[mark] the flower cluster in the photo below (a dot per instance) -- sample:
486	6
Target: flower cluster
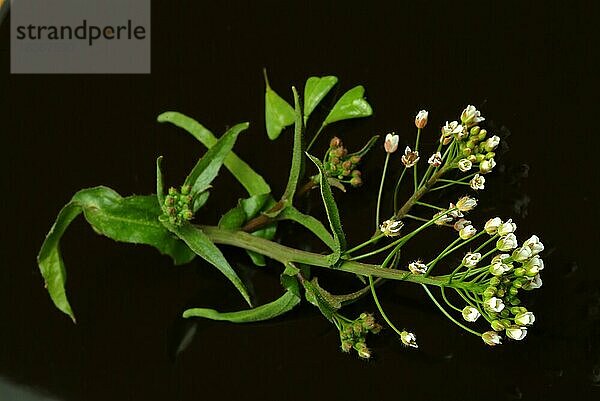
353	333
341	165
464	227
512	269
177	205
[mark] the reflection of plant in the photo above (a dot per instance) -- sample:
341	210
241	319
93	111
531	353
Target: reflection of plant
488	280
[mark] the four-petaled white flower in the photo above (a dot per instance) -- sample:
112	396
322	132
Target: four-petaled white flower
521	254
491	226
442	217
494	304
471	116
534	265
500	257
391	227
466	203
534	283
507	243
487	165
455	214
417	267
470	314
467	232
435	160
410	158
421	119
499	268
391	142
461	223
534	244
408	339
451	128
477	182
516	332
491	143
471	259
525	319
507	228
465	165
491	338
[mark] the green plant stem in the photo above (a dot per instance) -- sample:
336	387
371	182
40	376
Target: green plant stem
397	189
415	174
462	326
385	165
422	191
286	255
387	320
430	206
362	245
314	138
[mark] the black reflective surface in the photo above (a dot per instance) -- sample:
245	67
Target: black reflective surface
527	67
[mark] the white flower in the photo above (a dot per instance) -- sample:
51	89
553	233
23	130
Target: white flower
391	228
535	264
391	142
491	226
470	314
445	140
466	204
507	243
435	160
464	165
500	257
491	143
499	268
534	244
417	267
525	319
494	304
516	332
491	338
522	254
456	214
442	217
467	232
460	224
534	283
477	182
408	339
421	119
487	165
452	128
507	228
410	158
471	116
471	259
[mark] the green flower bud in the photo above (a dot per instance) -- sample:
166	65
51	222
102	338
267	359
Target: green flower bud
479	158
346	346
497	325
515	301
172	191
185	189
475	131
489	292
505	313
467	151
356	181
513	291
481	135
494	281
490	155
519	272
500	292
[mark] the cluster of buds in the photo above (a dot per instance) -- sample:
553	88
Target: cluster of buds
340	165
177	206
353	334
509	273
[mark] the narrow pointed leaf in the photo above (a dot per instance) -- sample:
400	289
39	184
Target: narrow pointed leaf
312	224
297	153
159	183
315	89
332	212
278	113
352	104
204	247
253	182
133	220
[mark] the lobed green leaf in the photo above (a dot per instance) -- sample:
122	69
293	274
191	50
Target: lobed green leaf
278	113
315	89
352	104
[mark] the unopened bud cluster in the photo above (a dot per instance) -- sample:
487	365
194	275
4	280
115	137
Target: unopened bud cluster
353	334
177	205
341	165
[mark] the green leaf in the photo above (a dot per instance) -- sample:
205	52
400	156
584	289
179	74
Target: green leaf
315	295
278	113
253	182
351	105
264	312
133	220
312	224
315	89
207	168
366	148
204	247
332	212
233	219
297	156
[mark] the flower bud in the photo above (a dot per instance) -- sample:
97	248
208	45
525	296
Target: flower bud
474	131
507	228
467	232
525	319
335	142
356	181
471	259
408	339
489	292
417	267
494	304
491	338
486	166
461	223
521	254
442	217
466	204
421	119
435	160
471	116
491	226
491	143
534	283
507	243
470	314
497	325
362	350
516	332
391	227
477	182
464	165
391	143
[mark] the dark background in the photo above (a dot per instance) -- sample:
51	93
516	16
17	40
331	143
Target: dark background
527	67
